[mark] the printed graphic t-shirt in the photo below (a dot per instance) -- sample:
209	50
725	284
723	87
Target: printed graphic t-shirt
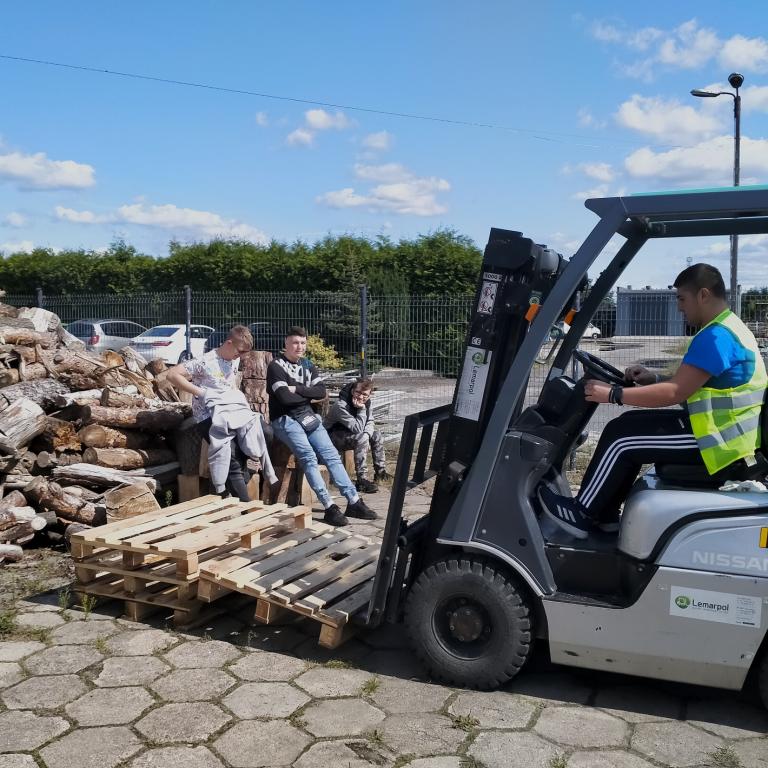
210	372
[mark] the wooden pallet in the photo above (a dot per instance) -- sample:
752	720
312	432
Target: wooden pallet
320	572
152	561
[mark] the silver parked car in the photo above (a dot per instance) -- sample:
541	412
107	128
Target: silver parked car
100	335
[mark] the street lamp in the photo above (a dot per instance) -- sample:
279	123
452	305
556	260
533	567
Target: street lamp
735	80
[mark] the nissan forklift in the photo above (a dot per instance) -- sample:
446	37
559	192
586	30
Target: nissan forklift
680	593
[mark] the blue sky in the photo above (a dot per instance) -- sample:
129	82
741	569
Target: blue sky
588	99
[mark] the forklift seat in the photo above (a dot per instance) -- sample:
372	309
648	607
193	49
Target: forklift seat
698	477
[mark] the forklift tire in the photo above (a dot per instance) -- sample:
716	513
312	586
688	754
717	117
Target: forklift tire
762	679
469	623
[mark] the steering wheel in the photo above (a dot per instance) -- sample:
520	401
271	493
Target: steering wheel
599	368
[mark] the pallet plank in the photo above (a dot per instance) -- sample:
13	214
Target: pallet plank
310	604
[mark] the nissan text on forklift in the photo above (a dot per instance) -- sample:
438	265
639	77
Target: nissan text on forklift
680	593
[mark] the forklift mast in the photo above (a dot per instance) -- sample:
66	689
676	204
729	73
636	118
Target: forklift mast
515	278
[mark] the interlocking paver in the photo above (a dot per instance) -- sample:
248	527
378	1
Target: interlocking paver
39	620
495	709
62	660
676	744
82	632
324	682
11	650
17	761
194	721
608	759
130	670
109	706
202	653
267	666
395	695
177	757
193	685
343	754
92	748
493	749
729	718
341	717
44	692
10	673
638	703
421	734
25	731
252	700
253	744
581	727
139	642
453	761
752	753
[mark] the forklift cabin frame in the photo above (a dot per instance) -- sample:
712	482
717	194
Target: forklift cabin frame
471	519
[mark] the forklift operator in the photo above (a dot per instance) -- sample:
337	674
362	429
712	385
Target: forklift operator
721	385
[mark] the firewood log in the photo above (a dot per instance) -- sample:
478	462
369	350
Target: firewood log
127	458
12	500
94	476
51	496
157	420
58	435
6	310
11	553
115	399
16	515
254	364
164	389
100	436
156	366
42	319
25	336
22	421
31	371
129	501
43	392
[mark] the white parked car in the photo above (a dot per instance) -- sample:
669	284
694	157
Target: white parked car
169	342
590	332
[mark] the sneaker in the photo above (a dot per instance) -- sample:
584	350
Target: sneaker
360	509
567	513
334	516
366	486
609	527
381	476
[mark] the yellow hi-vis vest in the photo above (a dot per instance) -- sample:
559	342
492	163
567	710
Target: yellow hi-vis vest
726	422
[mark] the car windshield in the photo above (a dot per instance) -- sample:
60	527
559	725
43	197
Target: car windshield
161	330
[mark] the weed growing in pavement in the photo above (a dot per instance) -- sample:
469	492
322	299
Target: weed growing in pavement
375	736
7	622
404	760
100	644
465	722
558	761
370	686
470	762
337	664
65	593
725	757
87	603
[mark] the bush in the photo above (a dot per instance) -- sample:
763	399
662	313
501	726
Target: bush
323	355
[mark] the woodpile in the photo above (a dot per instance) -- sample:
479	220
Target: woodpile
84	438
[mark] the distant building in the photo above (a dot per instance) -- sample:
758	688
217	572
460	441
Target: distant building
648	312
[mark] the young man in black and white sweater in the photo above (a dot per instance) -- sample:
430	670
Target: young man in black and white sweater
293	383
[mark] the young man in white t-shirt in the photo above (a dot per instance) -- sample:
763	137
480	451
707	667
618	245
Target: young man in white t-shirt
217	370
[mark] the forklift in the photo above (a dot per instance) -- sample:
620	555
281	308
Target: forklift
679	594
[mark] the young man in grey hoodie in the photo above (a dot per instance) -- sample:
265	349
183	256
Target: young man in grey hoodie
350	426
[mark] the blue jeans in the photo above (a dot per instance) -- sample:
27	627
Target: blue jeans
308	449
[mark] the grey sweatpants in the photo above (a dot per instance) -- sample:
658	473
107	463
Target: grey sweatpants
344	440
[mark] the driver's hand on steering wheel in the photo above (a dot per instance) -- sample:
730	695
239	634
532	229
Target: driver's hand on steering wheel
596	391
639	375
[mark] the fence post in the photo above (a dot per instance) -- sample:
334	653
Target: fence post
188	318
363	330
39	297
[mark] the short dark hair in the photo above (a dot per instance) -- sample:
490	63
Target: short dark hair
699	276
296	330
363	383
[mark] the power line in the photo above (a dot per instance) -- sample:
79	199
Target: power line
541	135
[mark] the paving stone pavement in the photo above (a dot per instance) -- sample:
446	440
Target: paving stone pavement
101	692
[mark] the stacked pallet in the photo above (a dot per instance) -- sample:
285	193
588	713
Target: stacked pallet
152	561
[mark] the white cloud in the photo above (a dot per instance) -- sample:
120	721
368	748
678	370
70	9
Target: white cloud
754	98
739	52
709	162
320	120
15	219
262	119
400	192
17	247
300	137
182	221
598	171
687	46
667	119
78	217
39	172
381	140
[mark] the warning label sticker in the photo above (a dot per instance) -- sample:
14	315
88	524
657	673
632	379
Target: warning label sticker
722	607
487	297
469	395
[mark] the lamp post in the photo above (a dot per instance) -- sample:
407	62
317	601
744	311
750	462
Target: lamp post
735	80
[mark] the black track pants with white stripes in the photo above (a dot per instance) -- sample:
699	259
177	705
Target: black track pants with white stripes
635	438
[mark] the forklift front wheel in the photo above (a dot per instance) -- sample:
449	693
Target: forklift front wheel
762	680
469	623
